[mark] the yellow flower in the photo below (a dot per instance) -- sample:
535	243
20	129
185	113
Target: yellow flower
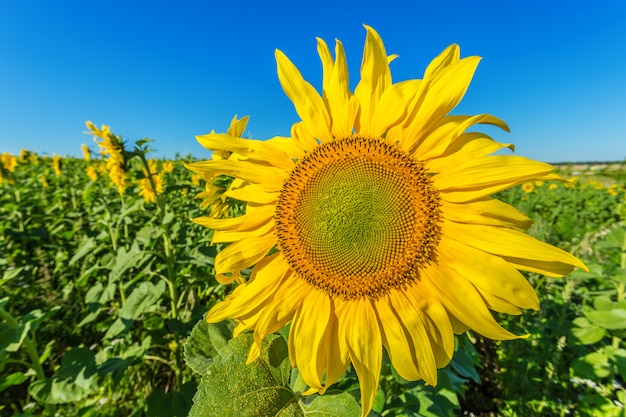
8	161
24	153
56	164
373	224
86	152
538	183
102	168
33	158
146	188
167	167
112	146
195	179
613	190
44	181
528	187
91	173
553	187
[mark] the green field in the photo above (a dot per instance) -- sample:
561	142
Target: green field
100	291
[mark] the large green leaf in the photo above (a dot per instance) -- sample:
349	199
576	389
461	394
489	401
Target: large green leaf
205	342
594	365
586	332
125	260
77	378
232	388
172	404
614	319
12	337
143	297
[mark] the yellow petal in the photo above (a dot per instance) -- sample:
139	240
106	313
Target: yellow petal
256	150
392	107
375	78
485	176
440	96
335	364
237	126
343	105
398	343
308	328
463	301
489	274
267	178
436	322
447	57
269	275
551	269
287	145
254	217
305	98
437	143
358	327
511	243
243	253
302	137
469	146
251	193
413	324
234	235
488	212
282	308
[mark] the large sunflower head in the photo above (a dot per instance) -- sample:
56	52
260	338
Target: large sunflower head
373	224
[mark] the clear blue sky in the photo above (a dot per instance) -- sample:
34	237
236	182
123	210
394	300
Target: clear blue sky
555	71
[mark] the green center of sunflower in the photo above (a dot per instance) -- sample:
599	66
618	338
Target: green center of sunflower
358	217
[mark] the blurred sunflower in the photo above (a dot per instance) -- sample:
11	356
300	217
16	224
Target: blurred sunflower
112	146
151	184
92	173
373	225
528	187
56	164
86	152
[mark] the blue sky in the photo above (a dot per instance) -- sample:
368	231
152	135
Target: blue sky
555	71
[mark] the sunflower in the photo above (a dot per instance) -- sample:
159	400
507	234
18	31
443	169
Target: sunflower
151	184
56	164
112	146
86	152
373	224
528	187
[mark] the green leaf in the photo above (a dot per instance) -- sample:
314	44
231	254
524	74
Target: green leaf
595	271
588	334
15	378
615	239
332	405
603	303
613	319
205	342
86	247
143	297
593	365
126	260
9	275
77	378
232	388
12	337
173	404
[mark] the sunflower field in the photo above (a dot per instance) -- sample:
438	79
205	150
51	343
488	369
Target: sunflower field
103	289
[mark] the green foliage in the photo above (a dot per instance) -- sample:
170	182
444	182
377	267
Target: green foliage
102	297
